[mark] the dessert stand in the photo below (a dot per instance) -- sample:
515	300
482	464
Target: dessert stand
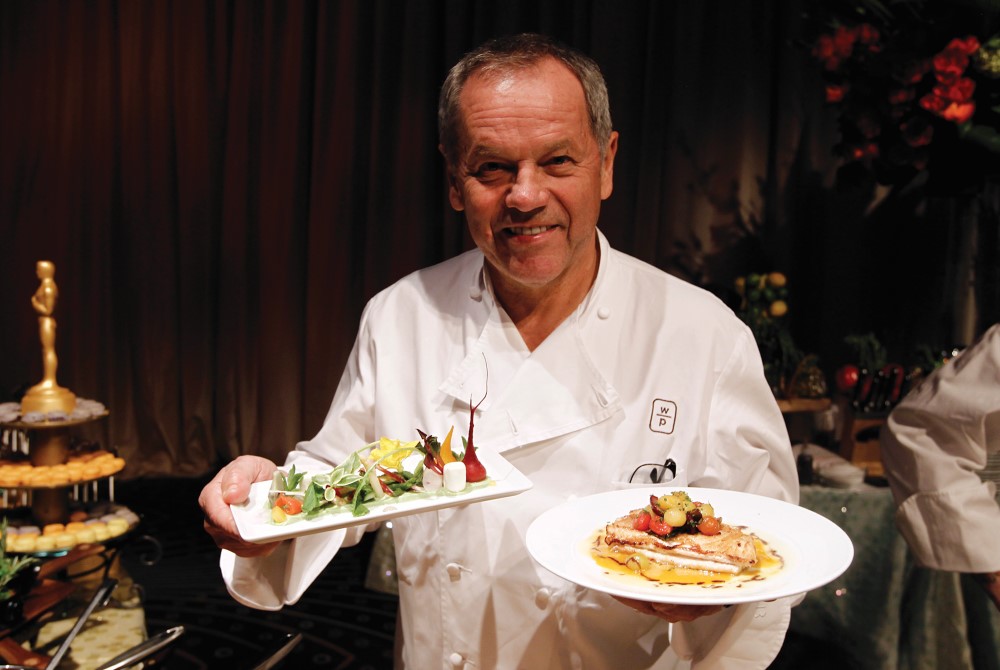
46	481
48	443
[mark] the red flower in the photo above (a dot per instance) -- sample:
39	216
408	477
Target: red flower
933	103
960	91
959	112
868	35
843	41
825	51
949	65
951	62
835	92
967	46
881	79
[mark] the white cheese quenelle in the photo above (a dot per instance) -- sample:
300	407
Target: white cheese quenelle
454	476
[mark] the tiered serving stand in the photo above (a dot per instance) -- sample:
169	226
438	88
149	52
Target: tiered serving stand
48	443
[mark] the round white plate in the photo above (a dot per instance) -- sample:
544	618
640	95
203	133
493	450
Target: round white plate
815	551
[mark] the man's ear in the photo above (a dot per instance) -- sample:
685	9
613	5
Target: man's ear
455	196
608	167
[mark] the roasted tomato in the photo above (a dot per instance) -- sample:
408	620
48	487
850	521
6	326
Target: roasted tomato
659	526
710	525
288	504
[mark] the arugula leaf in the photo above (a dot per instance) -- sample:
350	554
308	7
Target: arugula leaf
293	479
313	498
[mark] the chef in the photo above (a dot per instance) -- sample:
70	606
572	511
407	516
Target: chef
934	446
591	365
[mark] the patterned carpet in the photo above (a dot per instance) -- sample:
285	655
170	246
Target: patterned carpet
344	625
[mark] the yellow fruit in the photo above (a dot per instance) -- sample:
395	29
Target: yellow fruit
278	515
674	517
776	279
778	308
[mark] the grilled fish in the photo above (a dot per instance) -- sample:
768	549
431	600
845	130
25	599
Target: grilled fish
730	551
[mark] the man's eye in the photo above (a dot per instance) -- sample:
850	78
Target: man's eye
561	160
490	167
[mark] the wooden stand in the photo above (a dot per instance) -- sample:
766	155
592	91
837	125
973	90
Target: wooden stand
859	442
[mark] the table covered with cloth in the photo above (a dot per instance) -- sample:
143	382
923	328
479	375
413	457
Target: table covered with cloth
885	611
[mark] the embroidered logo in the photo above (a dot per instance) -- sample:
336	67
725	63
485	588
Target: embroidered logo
663	417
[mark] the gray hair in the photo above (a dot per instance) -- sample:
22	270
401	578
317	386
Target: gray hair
504	54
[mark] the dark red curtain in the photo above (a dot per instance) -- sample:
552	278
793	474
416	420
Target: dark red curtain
223	185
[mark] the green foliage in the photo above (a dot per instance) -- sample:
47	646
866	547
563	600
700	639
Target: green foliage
868	351
9	565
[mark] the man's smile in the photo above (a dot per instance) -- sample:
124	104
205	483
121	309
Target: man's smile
526	230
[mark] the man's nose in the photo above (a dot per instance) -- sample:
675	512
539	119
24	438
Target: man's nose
528	191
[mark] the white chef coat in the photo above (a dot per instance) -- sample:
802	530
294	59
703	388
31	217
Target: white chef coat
647	367
935	443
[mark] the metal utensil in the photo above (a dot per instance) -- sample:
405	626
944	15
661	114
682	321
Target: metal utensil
283	651
143	649
99	598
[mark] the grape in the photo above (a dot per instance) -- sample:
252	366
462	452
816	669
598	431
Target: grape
674	517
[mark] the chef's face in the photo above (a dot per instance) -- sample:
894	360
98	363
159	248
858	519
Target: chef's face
530	177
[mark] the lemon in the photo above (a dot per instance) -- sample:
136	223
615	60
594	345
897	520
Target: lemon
777	279
278	515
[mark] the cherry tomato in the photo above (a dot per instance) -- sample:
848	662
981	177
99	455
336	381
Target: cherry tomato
288	504
658	526
847	377
710	525
641	522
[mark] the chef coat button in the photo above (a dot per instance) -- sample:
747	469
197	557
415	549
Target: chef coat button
454	571
542	597
603	312
475	294
456	659
602	398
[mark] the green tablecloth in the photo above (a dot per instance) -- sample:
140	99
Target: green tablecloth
886	612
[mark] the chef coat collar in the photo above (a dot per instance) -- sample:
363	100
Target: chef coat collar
537	395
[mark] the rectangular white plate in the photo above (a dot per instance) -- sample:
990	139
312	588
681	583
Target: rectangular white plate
253	518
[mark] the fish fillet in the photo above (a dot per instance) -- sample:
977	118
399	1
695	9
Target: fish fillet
731	550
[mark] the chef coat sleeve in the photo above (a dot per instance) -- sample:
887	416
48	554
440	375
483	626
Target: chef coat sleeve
747	447
282	577
749	450
933	446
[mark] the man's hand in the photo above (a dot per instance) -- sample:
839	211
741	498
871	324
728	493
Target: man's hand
230	486
671	613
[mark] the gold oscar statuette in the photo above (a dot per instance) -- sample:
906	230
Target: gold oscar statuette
47	396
